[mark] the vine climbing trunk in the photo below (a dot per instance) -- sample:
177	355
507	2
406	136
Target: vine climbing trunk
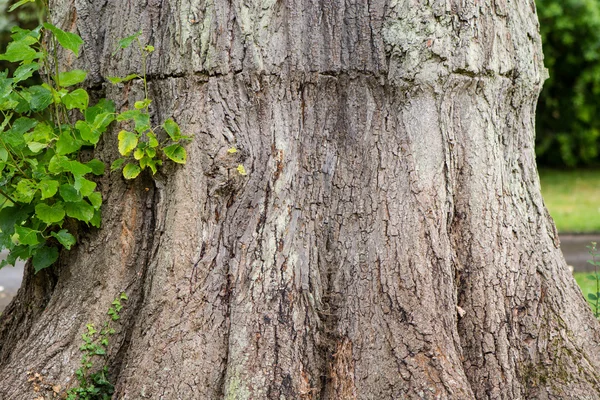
388	241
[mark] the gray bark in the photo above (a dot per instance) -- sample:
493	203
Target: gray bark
389	240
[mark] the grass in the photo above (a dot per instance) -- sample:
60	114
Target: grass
586	285
573	199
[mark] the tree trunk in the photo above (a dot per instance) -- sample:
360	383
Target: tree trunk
389	241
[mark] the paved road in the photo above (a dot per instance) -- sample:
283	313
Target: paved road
575	250
573	246
10	281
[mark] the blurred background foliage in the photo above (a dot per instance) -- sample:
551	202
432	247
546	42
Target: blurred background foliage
568	123
27	16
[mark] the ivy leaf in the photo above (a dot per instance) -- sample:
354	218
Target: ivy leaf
25	71
70	78
44	257
19	4
96	200
152	140
115	79
78	98
12	216
176	153
14	136
103	106
138	153
41	98
131	171
77	168
58	164
127	142
84	186
141	119
48	188
80	210
42	133
50	214
97	166
68	40
69	193
36	147
25	190
117	164
20	51
67	143
150	162
142	104
96	220
27	235
172	129
125	42
65	238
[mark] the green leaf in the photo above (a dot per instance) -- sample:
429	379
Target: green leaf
138	153
84	186
44	257
50	214
19	51
96	219
152	140
25	71
68	40
141	119
115	79
65	238
19	4
67	143
25	190
41	98
69	193
592	296
77	168
151	163
58	164
127	142
48	188
97	166
103	106
70	78
176	153
78	98
26	235
172	129
42	133
11	216
151	152
81	210
96	200
142	104
36	147
125	42
117	164
131	171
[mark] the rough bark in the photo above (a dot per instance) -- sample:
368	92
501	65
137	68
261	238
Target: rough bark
389	240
